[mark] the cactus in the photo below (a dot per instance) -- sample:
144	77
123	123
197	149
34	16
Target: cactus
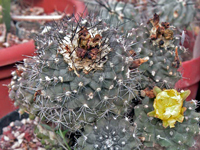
156	46
180	13
110	133
119	14
86	72
128	13
151	131
80	73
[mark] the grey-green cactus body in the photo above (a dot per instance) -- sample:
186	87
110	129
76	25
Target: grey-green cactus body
180	13
152	132
109	134
123	15
76	87
129	13
159	58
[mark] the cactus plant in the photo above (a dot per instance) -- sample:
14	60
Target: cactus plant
79	74
156	46
152	131
120	14
84	80
129	13
180	13
111	133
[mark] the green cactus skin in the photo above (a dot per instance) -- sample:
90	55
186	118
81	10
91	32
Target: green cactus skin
160	67
180	13
152	132
119	14
109	134
49	86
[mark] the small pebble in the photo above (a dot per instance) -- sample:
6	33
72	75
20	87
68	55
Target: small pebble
16	134
29	120
15	145
35	140
6	129
21	136
12	124
20	141
18	123
11	136
23	121
40	148
6	138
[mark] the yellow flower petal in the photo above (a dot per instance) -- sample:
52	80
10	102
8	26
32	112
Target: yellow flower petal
168	106
180	118
165	124
171	122
183	110
185	94
151	114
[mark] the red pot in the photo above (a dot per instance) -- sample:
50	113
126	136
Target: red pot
191	69
16	53
191	77
69	6
9	56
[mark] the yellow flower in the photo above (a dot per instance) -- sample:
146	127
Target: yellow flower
168	106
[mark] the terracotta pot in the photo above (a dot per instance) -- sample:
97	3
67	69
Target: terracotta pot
191	69
75	7
9	56
16	53
191	77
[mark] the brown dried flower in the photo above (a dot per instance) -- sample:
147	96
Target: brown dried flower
93	54
136	63
168	34
19	72
165	24
155	20
81	53
176	63
94	42
84	38
149	92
